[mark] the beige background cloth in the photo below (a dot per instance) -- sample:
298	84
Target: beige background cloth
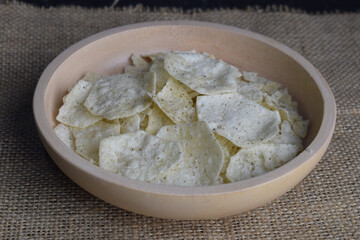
38	201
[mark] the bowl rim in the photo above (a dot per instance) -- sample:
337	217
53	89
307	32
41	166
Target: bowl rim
320	142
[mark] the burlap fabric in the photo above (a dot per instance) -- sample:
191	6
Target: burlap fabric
38	201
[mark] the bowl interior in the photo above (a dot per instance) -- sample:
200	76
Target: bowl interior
111	52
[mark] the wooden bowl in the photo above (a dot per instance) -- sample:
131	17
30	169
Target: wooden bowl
109	51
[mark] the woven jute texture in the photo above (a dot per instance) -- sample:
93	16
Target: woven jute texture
38	201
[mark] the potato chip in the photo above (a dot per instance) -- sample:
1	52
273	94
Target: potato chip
229	149
259	159
65	135
87	140
276	155
150	78
144	118
254	78
130	124
146	112
131	70
118	96
270	87
232	148
250	76
226	158
154	56
298	123
270	103
281	101
139	155
222	141
175	103
92	77
73	113
247	163
161	74
138	61
203	156
202	73
144	75
238	119
250	90
192	94
144	123
157	119
263	84
286	135
114	121
139	68
220	180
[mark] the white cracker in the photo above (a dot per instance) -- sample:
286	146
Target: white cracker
288	111
144	118
133	71
253	77
130	124
65	135
139	68
232	148
87	140
238	119
264	85
150	77
250	76
203	156
270	87
270	103
276	155
202	73
259	159
138	155
161	74
146	112
92	77
192	94
245	164
223	141
144	123
299	125
220	180
118	96
157	119
114	121
154	56
281	101
138	61
175	102
250	90
73	113
286	135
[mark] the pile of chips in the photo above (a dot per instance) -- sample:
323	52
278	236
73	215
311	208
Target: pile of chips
181	118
